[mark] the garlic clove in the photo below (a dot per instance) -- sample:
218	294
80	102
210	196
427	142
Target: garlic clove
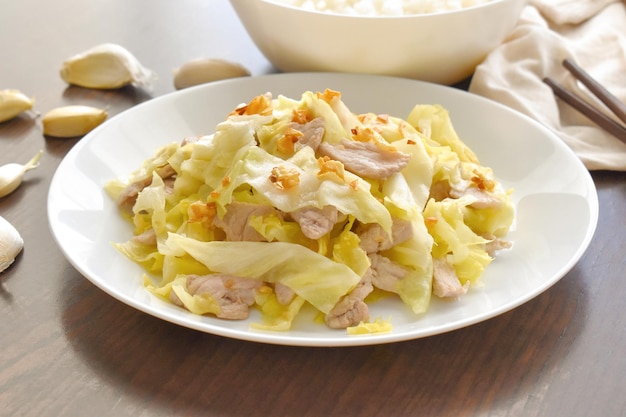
11	243
105	66
12	103
72	121
205	70
11	175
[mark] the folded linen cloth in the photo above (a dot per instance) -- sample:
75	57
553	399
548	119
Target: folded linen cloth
593	34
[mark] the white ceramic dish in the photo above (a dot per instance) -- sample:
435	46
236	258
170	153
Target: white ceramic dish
443	47
555	199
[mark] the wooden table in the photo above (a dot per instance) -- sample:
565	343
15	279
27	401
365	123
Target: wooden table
69	349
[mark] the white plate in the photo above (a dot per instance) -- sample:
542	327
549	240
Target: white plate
555	199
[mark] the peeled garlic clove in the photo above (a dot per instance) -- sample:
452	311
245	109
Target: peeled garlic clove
205	70
11	243
12	103
72	121
11	175
105	66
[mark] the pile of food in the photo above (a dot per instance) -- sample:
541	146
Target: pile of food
382	7
303	202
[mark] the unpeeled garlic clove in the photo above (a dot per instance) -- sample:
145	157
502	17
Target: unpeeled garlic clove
72	121
105	66
12	103
11	175
205	70
11	243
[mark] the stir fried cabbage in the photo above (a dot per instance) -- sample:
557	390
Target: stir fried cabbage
294	203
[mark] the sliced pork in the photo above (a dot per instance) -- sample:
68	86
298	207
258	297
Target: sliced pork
146	238
315	222
312	133
386	273
235	222
446	283
233	294
351	308
366	159
128	196
284	294
375	239
496	244
483	198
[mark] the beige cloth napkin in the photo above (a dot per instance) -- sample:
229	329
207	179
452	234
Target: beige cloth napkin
593	34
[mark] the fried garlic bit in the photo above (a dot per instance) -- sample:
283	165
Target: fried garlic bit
301	116
284	178
368	134
12	103
328	95
286	144
261	105
205	70
106	66
376	121
72	121
483	180
200	211
331	169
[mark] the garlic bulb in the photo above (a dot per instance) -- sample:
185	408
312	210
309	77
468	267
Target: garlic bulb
72	121
11	243
11	175
12	103
200	71
105	66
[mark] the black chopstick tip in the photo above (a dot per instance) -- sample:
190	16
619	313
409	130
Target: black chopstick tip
568	61
550	82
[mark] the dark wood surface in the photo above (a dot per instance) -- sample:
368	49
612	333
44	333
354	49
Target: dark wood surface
69	349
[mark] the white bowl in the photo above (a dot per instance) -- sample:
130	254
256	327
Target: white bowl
442	47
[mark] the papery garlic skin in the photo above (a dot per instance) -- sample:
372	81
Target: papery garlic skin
205	70
12	103
11	175
106	66
72	121
11	243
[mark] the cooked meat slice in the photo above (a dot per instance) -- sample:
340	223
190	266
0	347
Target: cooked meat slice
284	294
440	190
495	244
401	231
168	184
483	198
480	186
386	273
375	239
233	294
128	196
315	222
312	131
446	283
366	159
146	238
351	309
235	221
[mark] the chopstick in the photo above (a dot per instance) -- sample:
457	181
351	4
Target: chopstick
618	108
602	120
